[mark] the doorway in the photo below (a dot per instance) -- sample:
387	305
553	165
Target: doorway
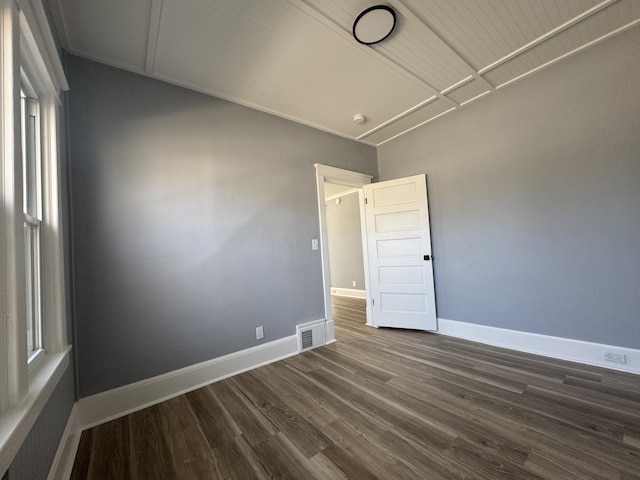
396	245
345	250
352	181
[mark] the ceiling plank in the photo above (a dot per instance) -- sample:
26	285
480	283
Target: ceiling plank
548	35
472	71
572	52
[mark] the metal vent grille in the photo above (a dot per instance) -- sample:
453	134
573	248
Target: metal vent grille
306	339
311	335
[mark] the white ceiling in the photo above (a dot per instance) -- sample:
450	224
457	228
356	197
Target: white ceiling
297	58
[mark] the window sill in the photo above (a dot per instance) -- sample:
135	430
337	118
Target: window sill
35	360
16	422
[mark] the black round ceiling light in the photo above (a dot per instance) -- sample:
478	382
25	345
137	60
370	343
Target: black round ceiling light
374	24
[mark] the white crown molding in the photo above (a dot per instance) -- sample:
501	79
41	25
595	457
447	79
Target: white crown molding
579	351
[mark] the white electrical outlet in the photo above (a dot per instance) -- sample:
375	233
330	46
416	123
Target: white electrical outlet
354	283
259	333
615	357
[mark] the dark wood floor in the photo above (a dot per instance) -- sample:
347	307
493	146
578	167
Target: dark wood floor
384	404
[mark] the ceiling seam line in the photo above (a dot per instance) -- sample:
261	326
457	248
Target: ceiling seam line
153	36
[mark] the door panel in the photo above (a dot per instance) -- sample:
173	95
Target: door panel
398	238
391	222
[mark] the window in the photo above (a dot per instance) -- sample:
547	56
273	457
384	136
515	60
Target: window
34	353
32	209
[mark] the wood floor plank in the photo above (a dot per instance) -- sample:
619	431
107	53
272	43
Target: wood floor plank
353	467
216	424
113	437
327	468
545	431
230	460
376	459
186	441
306	437
482	464
423	430
149	453
295	398
284	460
252	424
457	423
82	465
530	409
552	466
384	404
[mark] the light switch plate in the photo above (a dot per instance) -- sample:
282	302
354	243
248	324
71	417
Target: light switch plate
314	244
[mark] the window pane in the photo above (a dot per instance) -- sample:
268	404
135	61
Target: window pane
31	156
31	206
32	274
29	268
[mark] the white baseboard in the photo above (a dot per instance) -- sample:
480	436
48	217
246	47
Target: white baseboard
562	348
330	333
66	454
115	403
348	292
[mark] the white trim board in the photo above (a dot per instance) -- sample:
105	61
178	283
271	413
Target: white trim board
66	454
588	353
348	292
115	403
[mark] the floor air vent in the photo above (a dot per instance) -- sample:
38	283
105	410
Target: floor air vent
310	335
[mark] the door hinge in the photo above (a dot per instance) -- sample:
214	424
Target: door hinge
373	302
366	201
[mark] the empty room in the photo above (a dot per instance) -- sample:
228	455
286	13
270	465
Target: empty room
313	239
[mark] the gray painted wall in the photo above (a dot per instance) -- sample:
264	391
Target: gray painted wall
33	460
535	200
193	219
345	242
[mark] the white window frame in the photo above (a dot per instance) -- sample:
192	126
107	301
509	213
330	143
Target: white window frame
31	154
26	43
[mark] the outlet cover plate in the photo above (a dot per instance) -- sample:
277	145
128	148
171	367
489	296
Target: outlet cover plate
615	357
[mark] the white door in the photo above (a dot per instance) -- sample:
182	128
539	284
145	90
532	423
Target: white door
399	249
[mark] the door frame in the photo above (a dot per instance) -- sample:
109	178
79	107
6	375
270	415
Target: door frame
328	174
